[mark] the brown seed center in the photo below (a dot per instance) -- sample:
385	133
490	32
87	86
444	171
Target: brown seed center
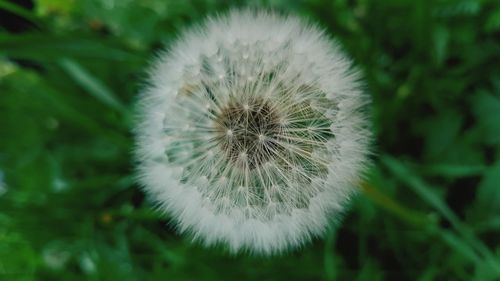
247	132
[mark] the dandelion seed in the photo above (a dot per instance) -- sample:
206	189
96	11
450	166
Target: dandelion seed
266	129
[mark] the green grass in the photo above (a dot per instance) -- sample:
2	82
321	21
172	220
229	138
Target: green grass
70	72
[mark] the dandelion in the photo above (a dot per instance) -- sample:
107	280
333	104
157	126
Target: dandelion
252	132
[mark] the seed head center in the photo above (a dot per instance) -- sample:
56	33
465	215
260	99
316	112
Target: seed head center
248	132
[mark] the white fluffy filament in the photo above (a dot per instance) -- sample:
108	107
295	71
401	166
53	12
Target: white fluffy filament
252	132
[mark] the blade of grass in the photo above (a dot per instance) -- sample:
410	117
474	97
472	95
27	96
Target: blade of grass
454	170
328	257
166	253
386	202
425	191
20	11
30	85
92	84
455	242
489	225
48	47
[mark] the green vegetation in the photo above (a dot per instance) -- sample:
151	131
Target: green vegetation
70	209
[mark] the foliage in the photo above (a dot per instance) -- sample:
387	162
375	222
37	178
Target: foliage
71	210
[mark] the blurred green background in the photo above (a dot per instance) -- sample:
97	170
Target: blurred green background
70	72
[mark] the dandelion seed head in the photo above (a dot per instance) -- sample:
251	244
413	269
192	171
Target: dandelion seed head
266	132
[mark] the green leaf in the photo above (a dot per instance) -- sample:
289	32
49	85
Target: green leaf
460	246
493	21
427	193
17	258
329	260
20	11
92	84
441	132
488	195
441	38
454	170
48	47
486	108
48	7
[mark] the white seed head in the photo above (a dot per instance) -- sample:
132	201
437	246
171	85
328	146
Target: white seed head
267	136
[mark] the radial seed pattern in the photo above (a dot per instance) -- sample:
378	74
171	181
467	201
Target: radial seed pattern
252	132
